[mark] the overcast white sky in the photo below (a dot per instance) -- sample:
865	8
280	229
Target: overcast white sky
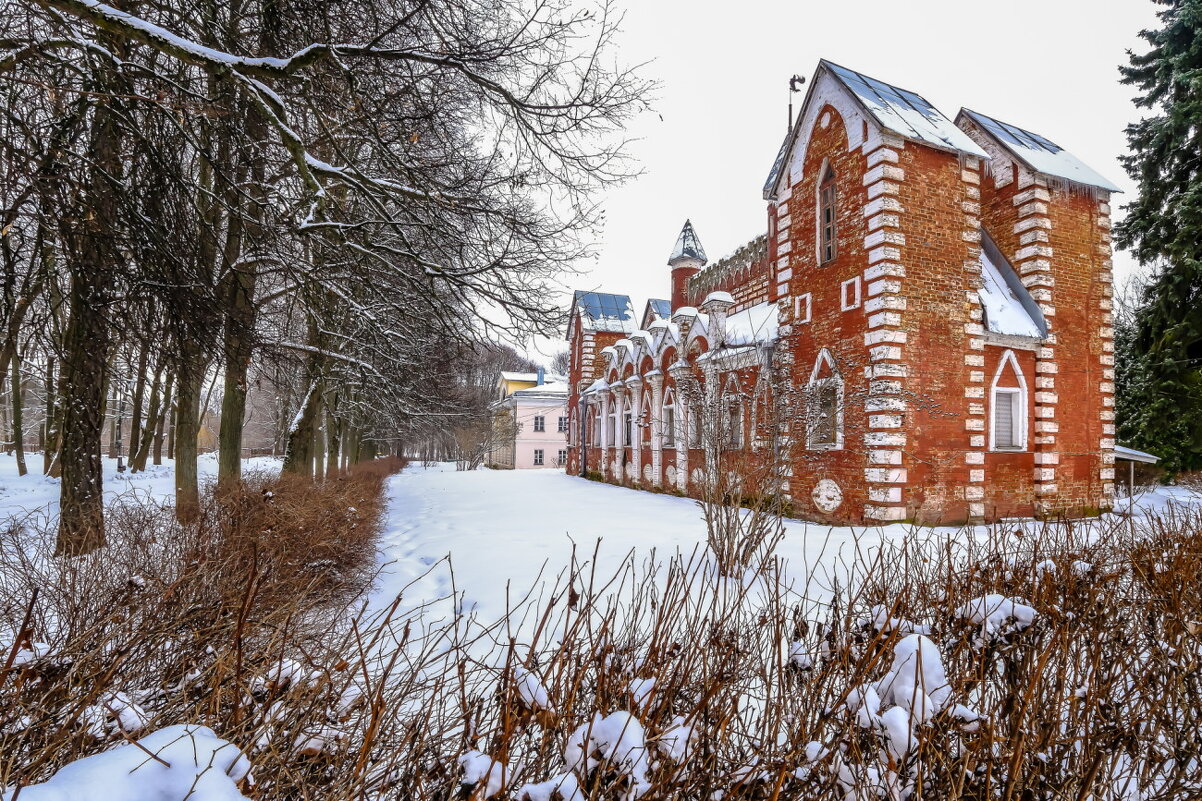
1047	65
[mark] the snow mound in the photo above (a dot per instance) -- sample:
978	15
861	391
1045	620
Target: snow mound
173	763
997	615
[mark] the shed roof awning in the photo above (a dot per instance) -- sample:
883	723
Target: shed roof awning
1132	455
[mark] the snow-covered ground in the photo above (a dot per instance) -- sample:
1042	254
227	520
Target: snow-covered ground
491	536
35	493
506	531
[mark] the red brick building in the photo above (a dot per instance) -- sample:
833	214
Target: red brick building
937	294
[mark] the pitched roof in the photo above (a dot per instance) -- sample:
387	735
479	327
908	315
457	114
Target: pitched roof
688	245
904	112
1038	152
895	109
656	309
601	311
1008	306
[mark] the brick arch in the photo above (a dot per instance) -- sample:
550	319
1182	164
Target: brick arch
843	115
668	358
646	364
611	375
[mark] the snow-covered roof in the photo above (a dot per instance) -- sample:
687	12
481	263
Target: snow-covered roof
656	309
754	325
549	388
895	109
507	375
1009	307
1132	455
1038	152
601	311
904	112
688	245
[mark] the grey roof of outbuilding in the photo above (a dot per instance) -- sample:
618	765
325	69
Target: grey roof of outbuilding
688	245
1038	152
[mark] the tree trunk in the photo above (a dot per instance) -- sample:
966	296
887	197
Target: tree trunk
135	422
94	259
191	371
161	422
333	440
50	449
319	449
172	420
140	447
81	510
18	426
239	333
298	454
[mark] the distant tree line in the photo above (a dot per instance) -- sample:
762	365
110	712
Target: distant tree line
327	203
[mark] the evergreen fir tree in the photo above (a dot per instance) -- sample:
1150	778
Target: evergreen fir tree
1160	357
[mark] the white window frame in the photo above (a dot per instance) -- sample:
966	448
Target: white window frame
563	424
854	285
814	386
538	457
540	424
1018	397
562	458
628	438
799	303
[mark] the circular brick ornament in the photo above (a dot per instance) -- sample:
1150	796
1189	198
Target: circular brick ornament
827	495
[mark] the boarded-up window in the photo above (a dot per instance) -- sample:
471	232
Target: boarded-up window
826	216
734	416
1007	418
826	413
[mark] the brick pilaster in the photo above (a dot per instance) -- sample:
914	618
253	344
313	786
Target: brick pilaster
1034	261
975	422
885	339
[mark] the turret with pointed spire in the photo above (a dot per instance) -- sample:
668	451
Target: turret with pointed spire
687	259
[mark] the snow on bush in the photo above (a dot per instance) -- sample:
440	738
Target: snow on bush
174	763
946	665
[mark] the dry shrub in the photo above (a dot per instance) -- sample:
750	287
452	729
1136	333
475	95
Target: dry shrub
669	679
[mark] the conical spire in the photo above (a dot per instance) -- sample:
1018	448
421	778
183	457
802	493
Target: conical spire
688	246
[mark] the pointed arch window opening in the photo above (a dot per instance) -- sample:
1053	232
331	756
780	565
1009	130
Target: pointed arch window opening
828	239
824	406
1008	406
643	423
733	418
668	420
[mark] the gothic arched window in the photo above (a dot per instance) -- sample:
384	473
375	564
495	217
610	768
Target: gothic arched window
668	420
1008	401
824	409
827	213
